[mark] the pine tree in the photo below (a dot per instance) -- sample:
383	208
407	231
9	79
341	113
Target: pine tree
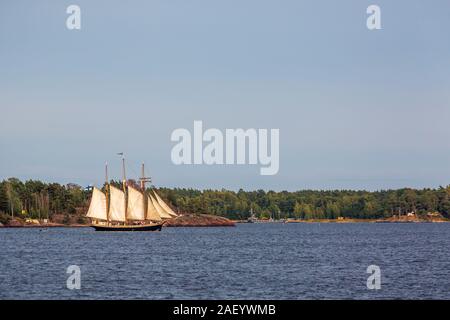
298	210
3	198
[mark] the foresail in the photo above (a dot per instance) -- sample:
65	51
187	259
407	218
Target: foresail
136	210
117	205
152	213
162	213
97	208
164	206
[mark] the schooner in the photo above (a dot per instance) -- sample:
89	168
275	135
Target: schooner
129	209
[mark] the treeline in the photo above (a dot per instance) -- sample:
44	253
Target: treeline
36	199
310	204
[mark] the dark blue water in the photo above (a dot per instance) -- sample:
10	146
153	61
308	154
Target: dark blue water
251	261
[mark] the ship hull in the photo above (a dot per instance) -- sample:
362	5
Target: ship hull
147	227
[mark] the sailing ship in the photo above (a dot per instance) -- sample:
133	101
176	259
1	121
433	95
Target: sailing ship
129	208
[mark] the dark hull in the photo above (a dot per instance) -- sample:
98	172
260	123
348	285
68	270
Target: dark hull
148	227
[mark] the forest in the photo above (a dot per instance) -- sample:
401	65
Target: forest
40	200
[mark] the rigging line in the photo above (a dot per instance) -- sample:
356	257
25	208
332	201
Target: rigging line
130	168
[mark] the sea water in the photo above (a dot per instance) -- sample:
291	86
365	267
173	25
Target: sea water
250	261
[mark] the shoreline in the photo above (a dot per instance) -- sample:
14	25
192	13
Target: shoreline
44	226
339	221
210	221
188	220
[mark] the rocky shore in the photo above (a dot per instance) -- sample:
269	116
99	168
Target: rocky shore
20	224
402	219
199	220
188	220
206	220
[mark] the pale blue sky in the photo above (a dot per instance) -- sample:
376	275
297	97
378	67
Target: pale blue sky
356	108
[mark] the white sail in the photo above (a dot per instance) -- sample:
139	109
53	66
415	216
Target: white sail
136	210
97	208
164	206
117	204
162	213
152	213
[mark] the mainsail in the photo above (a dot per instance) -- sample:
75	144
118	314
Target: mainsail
136	210
164	206
162	213
117	204
97	208
152	213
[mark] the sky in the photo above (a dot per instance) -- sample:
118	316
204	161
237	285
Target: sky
356	109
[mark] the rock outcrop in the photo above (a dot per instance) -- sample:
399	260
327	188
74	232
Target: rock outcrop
199	220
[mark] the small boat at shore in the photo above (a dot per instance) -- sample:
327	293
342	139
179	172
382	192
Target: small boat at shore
252	218
129	209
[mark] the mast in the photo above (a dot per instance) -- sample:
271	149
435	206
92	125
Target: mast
107	193
144	179
144	198
124	185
